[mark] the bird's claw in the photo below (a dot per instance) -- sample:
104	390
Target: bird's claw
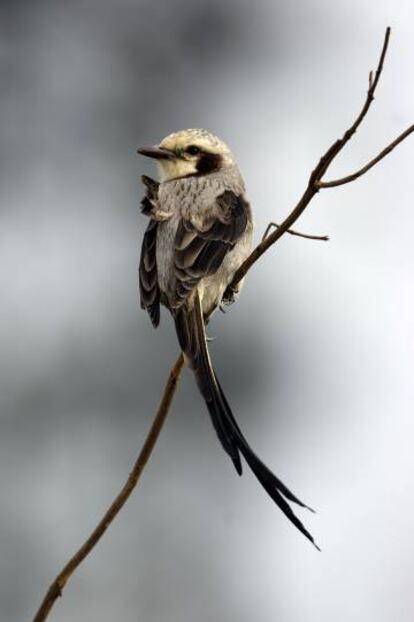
229	297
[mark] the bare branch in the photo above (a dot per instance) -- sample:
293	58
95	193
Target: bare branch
371	163
314	185
370	80
324	238
62	578
371	90
316	175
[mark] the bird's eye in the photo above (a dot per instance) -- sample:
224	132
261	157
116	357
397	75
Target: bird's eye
193	150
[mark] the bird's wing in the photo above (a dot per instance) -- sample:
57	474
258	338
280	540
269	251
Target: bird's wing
148	274
199	251
149	200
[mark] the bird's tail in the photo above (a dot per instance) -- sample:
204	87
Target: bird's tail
190	329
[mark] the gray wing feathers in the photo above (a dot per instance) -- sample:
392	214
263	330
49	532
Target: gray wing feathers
151	195
148	273
199	251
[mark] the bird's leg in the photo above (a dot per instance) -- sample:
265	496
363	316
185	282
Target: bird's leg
229	297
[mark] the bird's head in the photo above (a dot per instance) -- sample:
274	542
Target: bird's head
189	153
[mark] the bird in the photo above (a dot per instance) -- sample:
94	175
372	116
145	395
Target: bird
199	233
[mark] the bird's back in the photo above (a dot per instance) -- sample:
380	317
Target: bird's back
194	199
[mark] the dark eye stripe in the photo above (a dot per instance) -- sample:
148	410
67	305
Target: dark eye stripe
208	163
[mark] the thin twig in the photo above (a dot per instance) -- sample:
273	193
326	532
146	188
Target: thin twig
324	238
371	163
313	187
55	590
315	177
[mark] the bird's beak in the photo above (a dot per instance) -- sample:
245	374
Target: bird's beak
158	153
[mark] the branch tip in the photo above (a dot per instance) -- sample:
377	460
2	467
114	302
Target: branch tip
324	238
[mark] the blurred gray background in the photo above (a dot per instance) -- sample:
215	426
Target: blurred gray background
322	386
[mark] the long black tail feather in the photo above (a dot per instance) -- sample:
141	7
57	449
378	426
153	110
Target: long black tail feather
192	338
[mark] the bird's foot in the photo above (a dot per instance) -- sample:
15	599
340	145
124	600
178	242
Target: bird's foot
229	297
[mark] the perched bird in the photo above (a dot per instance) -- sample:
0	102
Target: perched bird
199	233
